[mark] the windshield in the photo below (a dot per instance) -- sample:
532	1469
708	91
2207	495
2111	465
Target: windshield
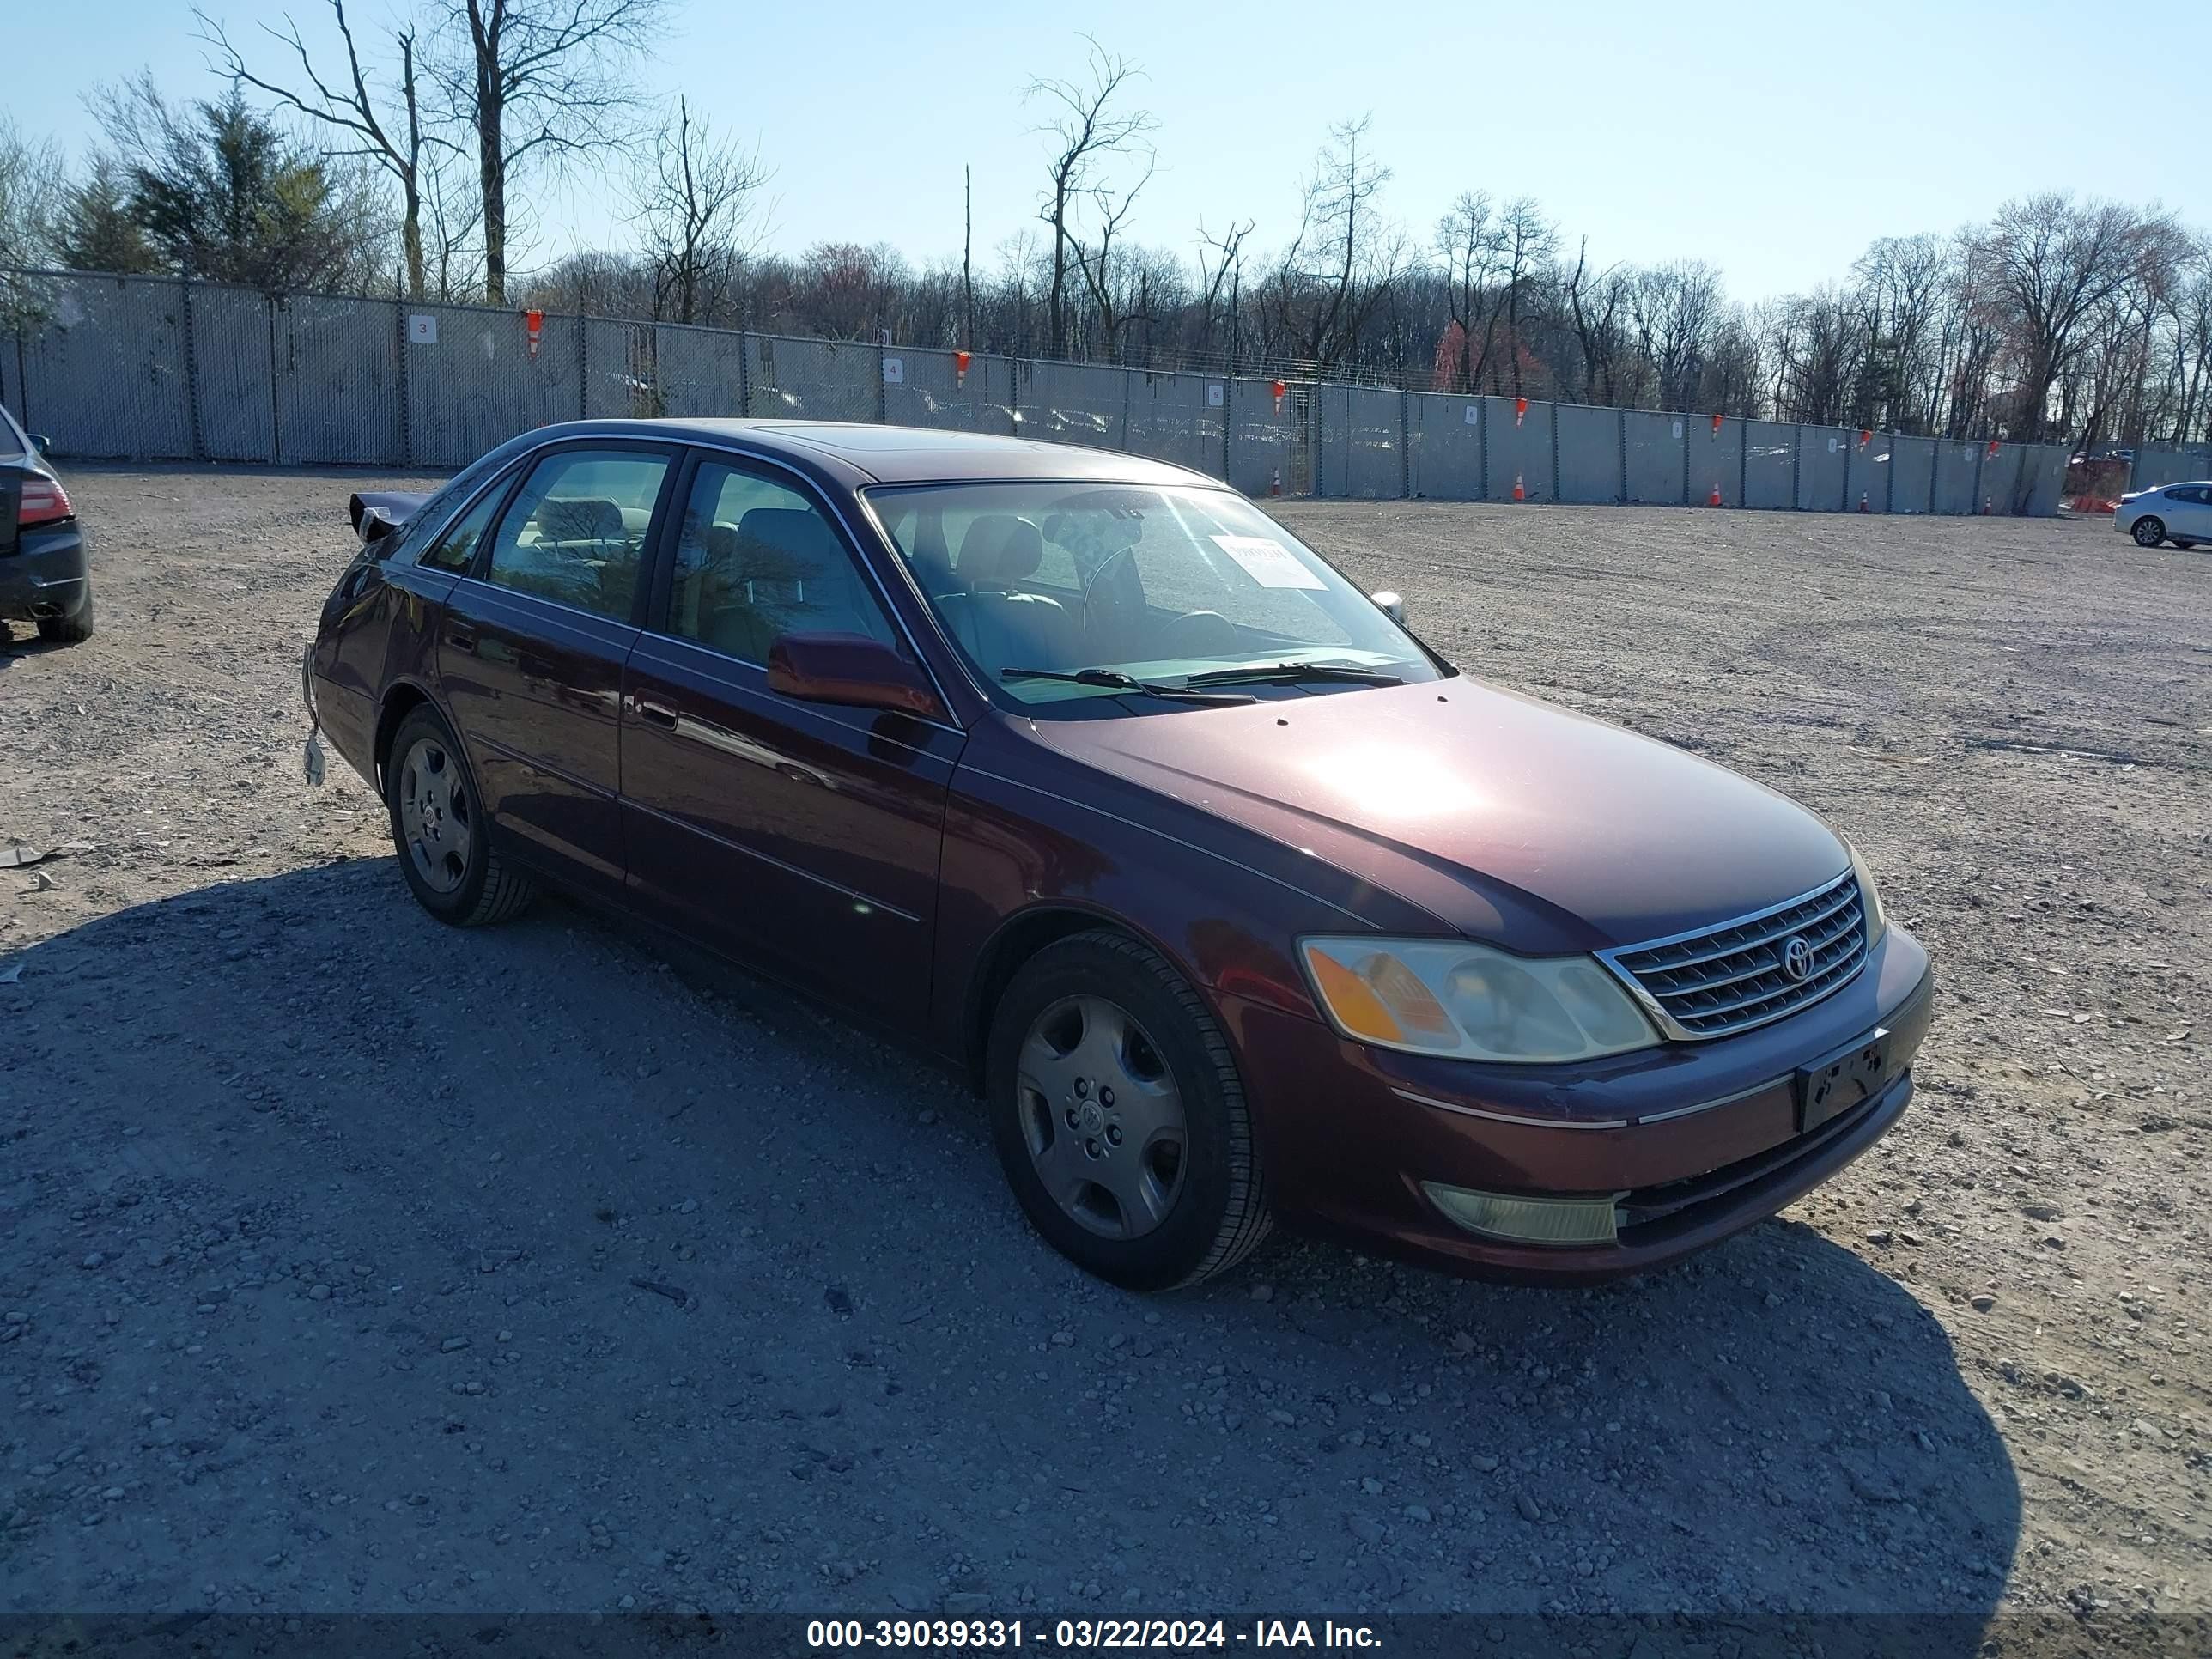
1153	585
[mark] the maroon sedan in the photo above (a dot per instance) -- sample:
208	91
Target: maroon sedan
1236	901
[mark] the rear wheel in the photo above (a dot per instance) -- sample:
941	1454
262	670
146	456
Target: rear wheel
1120	1119
445	850
2148	531
72	629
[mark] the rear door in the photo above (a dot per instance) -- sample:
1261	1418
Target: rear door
532	646
800	836
2189	511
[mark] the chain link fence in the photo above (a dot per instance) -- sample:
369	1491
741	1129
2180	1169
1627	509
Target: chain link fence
139	368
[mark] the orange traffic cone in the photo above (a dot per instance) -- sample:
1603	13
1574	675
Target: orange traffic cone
1519	494
1714	500
1862	504
1275	486
1986	508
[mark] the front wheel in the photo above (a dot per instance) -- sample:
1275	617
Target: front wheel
1119	1116
445	846
2148	531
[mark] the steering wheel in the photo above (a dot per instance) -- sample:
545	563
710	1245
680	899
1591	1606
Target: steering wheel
1091	585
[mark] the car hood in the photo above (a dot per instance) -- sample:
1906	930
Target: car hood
1505	817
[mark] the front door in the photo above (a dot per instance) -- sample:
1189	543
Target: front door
798	835
531	648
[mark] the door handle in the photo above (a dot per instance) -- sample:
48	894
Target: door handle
459	637
659	713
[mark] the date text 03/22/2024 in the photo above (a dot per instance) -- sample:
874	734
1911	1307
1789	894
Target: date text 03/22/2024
831	1634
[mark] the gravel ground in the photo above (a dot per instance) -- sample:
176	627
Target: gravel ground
350	1263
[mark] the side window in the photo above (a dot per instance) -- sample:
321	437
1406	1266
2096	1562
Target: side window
577	529
456	542
756	558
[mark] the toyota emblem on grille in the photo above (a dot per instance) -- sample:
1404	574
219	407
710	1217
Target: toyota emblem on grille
1797	958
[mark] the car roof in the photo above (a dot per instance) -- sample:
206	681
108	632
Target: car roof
855	454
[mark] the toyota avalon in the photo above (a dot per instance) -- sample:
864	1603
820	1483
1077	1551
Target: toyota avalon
1237	900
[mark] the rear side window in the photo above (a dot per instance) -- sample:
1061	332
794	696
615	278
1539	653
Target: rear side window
576	530
756	558
456	545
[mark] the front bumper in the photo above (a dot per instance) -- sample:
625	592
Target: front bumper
47	577
1700	1139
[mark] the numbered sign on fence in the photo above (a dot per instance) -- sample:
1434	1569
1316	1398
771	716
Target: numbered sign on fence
423	329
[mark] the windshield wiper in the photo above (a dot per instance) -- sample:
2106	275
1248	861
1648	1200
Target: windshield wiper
1121	682
1257	672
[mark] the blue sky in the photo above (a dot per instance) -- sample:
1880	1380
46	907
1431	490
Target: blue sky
1773	140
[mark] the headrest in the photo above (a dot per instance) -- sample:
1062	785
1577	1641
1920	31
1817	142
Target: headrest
999	549
587	520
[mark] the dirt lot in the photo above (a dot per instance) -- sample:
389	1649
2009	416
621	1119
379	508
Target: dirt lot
321	1226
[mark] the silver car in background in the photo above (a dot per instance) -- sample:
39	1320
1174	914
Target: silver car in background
2177	513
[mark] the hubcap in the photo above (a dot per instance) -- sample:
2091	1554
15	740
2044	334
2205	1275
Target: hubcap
436	819
1101	1117
2146	533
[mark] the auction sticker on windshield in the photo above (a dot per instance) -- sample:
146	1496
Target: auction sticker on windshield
1268	562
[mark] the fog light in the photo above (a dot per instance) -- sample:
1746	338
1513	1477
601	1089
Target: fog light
1530	1220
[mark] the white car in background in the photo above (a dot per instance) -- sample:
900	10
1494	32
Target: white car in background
2179	512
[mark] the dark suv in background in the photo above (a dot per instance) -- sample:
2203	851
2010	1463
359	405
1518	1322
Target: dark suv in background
46	566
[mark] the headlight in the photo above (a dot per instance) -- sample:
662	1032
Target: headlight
1869	898
1448	997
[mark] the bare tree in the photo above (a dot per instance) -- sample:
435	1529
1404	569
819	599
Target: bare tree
395	144
1472	243
1227	254
2051	263
1595	302
539	80
1344	258
696	199
1086	129
1530	242
1092	257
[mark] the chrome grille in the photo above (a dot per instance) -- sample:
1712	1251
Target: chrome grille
1728	979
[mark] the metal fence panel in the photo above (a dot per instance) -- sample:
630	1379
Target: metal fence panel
1912	469
621	371
104	378
1073	404
1769	464
2156	464
1267	446
236	377
1170	419
1652	458
1823	466
701	371
2044	480
2001	475
926	388
1520	449
1360	435
1866	472
338	383
1714	456
475	385
1444	443
816	380
1590	454
1955	468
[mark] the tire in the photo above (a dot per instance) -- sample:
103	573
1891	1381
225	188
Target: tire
446	849
1164	1212
2148	531
74	630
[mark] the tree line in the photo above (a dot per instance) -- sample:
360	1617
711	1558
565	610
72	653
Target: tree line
406	160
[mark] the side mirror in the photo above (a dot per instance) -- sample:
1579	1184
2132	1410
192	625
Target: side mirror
40	442
850	669
1391	606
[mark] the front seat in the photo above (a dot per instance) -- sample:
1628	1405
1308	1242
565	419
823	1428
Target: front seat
998	623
